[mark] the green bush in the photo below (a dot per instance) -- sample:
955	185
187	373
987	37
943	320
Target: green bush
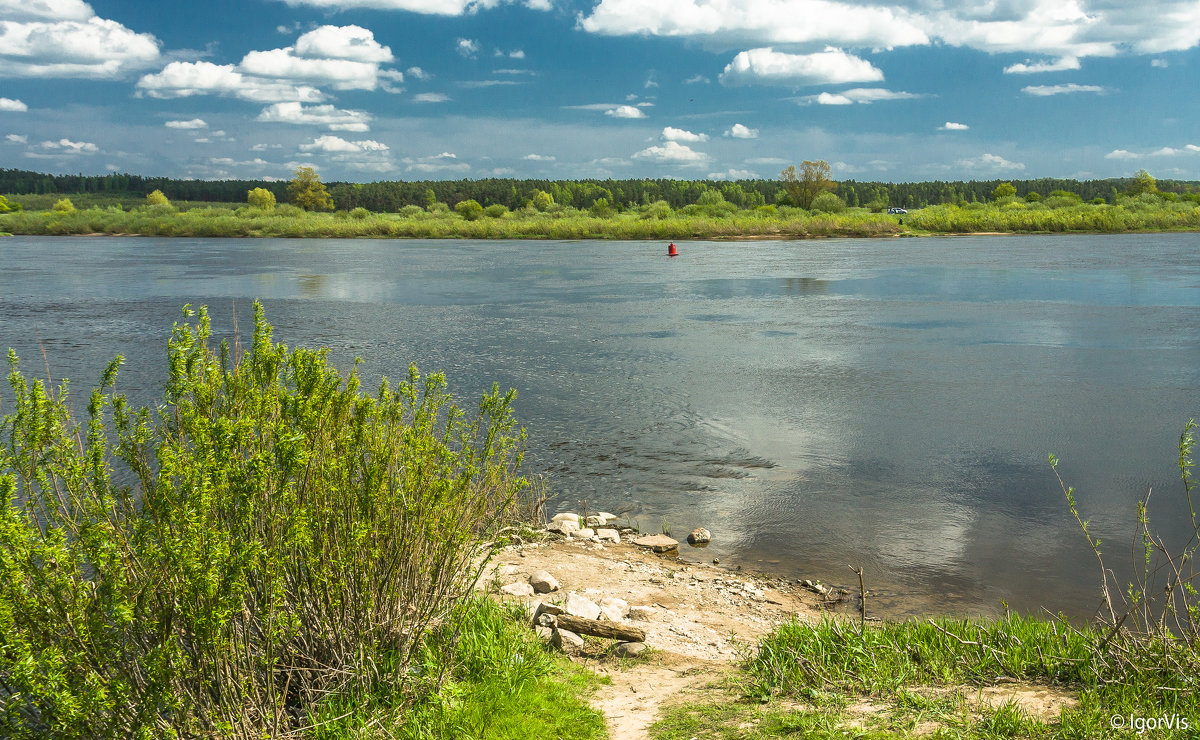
359	213
496	210
267	535
64	206
828	203
469	209
411	211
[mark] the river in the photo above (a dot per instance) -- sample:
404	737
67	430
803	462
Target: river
885	403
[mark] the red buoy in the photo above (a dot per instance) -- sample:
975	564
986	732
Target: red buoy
671	251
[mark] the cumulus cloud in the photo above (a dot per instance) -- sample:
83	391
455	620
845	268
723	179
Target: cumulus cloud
444	162
763	21
952	126
1058	65
1120	154
1047	90
1058	29
539	157
12	106
67	146
330	143
429	7
990	163
342	57
677	134
17	139
738	131
467	47
625	111
193	124
672	152
864	95
418	74
335	119
430	98
766	66
733	174
64	38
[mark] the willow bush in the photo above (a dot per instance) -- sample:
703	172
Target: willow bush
267	536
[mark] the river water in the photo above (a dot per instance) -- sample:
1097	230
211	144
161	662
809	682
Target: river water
888	403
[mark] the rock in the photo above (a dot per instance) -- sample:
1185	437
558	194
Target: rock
607	517
642	613
519	588
657	542
544	608
545	634
699	536
816	588
566	516
584	533
543	582
629	649
581	606
545	620
608	535
614	609
567	641
595	521
564	527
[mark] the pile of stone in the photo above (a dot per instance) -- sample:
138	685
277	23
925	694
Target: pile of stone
594	527
561	623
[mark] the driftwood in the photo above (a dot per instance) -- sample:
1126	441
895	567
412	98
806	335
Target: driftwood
600	629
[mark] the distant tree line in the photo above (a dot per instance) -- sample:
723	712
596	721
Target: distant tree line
391	196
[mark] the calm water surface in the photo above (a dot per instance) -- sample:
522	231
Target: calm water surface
816	404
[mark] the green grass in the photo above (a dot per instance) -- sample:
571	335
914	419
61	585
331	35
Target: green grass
485	676
812	680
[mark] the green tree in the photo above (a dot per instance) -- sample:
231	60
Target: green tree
1004	191
1142	183
469	209
6	207
542	200
157	198
804	186
64	206
306	190
261	198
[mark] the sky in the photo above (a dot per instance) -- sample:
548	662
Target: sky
366	90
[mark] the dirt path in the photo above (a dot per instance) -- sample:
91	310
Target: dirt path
696	617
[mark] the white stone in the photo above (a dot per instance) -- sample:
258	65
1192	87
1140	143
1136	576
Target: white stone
614	609
567	641
519	588
629	649
566	516
608	535
581	606
543	582
595	521
607	517
642	613
699	536
565	527
583	533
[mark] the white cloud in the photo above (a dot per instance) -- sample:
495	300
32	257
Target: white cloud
1121	154
444	162
343	57
1059	65
418	74
330	143
333	118
467	47
625	111
738	131
733	174
677	134
71	147
430	98
17	139
990	162
1047	90
952	126
352	43
864	95
697	80
69	40
761	21
766	160
539	157
1057	29
672	152
1160	63
429	7
193	124
186	79
12	106
766	66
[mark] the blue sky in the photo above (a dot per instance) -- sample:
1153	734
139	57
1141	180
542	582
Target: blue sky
369	90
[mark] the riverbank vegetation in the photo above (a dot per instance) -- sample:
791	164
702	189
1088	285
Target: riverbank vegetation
269	552
801	203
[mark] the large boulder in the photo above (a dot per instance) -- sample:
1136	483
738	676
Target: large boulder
567	641
608	535
581	606
519	588
614	609
657	542
699	536
543	582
